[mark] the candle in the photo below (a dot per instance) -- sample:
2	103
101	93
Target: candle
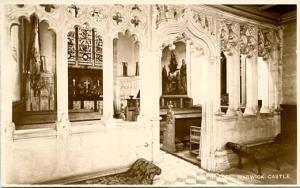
74	82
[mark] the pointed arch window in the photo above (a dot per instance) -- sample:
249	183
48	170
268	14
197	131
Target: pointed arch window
85	47
85	60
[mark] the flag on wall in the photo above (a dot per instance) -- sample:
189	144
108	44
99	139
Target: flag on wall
33	65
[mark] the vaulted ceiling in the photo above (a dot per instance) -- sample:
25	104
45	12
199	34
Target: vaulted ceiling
272	13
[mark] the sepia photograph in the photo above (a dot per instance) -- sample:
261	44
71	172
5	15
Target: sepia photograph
133	93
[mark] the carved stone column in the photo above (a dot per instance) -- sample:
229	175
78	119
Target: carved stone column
108	79
208	132
16	64
243	80
234	36
249	109
7	63
254	81
273	74
62	80
264	51
277	61
215	61
145	80
230	84
154	94
249	48
265	94
7	126
188	67
229	39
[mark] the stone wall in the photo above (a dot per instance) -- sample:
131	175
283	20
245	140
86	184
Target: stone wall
87	149
248	130
289	63
289	83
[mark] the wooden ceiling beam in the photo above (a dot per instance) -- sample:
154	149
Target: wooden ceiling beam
254	10
248	13
265	7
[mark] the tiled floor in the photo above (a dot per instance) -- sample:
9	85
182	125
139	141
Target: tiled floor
176	171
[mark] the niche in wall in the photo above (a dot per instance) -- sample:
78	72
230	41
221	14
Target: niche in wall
35	73
126	76
85	74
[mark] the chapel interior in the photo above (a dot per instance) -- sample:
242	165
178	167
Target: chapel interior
95	87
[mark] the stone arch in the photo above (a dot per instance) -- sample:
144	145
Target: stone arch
92	24
15	19
171	32
135	34
198	36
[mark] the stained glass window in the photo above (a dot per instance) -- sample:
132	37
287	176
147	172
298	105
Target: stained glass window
98	50
71	48
85	47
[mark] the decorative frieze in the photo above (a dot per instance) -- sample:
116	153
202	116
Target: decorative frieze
229	37
97	14
264	44
168	13
48	13
248	43
206	22
117	17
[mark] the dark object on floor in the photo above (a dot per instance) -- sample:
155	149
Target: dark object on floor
256	153
141	172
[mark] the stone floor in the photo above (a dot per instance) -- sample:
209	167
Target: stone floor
270	176
176	171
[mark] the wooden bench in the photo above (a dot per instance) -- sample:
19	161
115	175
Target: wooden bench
141	172
259	153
